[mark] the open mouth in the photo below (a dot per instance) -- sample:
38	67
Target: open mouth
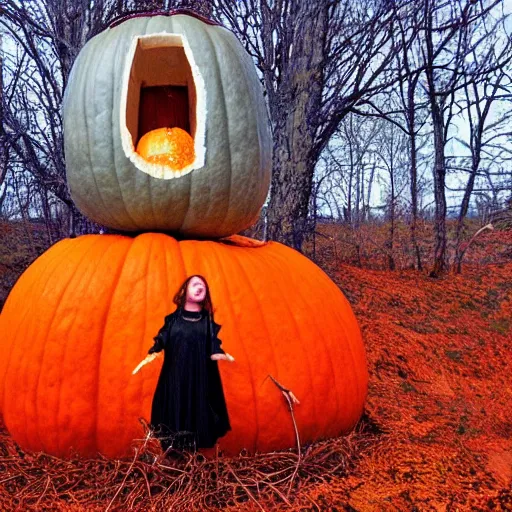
162	88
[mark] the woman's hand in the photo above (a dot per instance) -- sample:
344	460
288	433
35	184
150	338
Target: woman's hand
148	359
222	357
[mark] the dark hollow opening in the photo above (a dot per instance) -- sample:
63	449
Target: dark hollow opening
163	106
161	88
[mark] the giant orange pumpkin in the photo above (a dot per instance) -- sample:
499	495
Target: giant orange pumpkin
84	314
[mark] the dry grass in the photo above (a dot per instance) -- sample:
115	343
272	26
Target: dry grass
36	481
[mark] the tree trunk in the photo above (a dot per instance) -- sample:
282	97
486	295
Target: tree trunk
369	193
464	207
391	259
438	122
411	125
348	214
295	113
439	192
47	215
288	207
414	200
4	152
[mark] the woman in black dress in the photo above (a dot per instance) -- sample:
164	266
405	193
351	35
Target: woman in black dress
189	410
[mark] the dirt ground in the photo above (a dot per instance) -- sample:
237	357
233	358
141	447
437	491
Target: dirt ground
440	395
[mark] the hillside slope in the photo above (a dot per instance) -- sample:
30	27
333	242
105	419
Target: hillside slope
440	397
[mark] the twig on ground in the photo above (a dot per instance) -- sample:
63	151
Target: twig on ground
291	399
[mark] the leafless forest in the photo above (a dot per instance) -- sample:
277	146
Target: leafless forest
383	112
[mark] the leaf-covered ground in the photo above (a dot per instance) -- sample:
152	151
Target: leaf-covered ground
440	359
437	431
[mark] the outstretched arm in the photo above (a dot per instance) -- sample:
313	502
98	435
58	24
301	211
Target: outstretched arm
222	357
158	346
148	359
218	353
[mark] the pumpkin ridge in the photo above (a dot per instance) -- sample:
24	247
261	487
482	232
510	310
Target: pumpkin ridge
353	382
253	291
338	348
102	334
188	176
226	129
320	329
348	354
253	178
349	313
113	122
62	362
6	360
165	272
22	369
25	324
182	259
25	369
215	247
260	130
164	241
145	329
190	205
148	187
298	333
87	85
88	272
63	291
127	405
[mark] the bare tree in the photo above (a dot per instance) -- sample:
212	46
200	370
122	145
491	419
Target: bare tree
318	59
358	137
482	132
45	37
4	146
447	45
391	147
412	110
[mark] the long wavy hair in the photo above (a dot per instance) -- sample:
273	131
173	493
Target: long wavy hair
181	295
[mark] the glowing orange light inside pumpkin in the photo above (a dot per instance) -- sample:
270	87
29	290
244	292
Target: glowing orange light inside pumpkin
173	147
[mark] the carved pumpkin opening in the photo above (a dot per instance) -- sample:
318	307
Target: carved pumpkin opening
162	88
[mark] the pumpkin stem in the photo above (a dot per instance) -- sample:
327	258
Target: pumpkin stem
171	12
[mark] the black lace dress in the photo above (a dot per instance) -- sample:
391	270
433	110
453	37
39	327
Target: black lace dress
189	410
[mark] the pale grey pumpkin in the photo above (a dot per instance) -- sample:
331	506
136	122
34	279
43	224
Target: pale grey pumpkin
222	192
